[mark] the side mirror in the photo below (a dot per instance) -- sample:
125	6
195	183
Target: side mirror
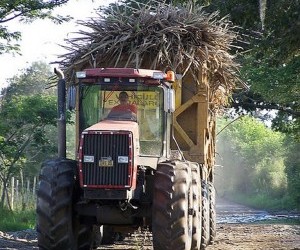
169	100
71	97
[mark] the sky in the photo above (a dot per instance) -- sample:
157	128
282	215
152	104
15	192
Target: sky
41	39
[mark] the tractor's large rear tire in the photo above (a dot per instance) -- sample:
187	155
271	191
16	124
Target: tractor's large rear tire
172	215
196	238
57	226
212	211
205	216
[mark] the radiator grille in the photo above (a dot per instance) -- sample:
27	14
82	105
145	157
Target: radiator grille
102	146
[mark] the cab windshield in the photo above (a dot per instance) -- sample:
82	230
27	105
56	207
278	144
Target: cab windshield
139	103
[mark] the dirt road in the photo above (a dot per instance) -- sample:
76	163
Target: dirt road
235	231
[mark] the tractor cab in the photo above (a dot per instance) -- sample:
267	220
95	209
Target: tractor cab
148	101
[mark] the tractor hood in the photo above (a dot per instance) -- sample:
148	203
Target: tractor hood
119	126
109	125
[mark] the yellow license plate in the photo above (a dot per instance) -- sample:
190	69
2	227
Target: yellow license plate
106	163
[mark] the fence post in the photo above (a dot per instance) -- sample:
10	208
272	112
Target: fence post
27	193
17	194
28	186
12	192
34	183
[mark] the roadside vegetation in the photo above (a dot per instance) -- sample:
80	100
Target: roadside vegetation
16	220
27	137
255	165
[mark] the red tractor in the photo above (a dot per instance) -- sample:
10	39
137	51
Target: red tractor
146	164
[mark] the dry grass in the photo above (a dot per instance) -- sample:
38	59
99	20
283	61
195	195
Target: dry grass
157	36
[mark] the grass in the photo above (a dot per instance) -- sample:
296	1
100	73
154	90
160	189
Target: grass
266	202
16	220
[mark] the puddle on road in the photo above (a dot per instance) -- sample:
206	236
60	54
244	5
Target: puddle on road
252	218
235	213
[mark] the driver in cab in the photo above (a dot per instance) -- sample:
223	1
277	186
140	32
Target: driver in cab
124	110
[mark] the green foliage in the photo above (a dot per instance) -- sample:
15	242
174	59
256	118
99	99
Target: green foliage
27	11
278	25
276	84
253	140
252	160
272	67
36	79
292	163
28	116
28	133
28	112
18	220
10	39
264	201
282	30
244	13
22	128
276	87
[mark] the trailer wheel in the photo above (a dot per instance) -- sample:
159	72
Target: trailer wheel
205	216
57	225
196	238
172	215
212	211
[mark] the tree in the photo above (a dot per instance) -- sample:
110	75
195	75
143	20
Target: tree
292	170
25	10
33	80
276	21
28	133
253	160
22	128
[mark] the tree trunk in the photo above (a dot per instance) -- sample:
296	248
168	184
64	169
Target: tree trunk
4	183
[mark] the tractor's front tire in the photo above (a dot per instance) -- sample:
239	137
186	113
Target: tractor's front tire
172	215
57	225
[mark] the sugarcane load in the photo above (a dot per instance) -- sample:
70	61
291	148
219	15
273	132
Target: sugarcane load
146	82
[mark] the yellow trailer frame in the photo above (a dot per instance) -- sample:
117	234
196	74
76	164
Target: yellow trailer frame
193	121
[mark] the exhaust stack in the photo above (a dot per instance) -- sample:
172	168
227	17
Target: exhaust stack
61	113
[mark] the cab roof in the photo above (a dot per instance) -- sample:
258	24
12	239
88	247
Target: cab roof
121	72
